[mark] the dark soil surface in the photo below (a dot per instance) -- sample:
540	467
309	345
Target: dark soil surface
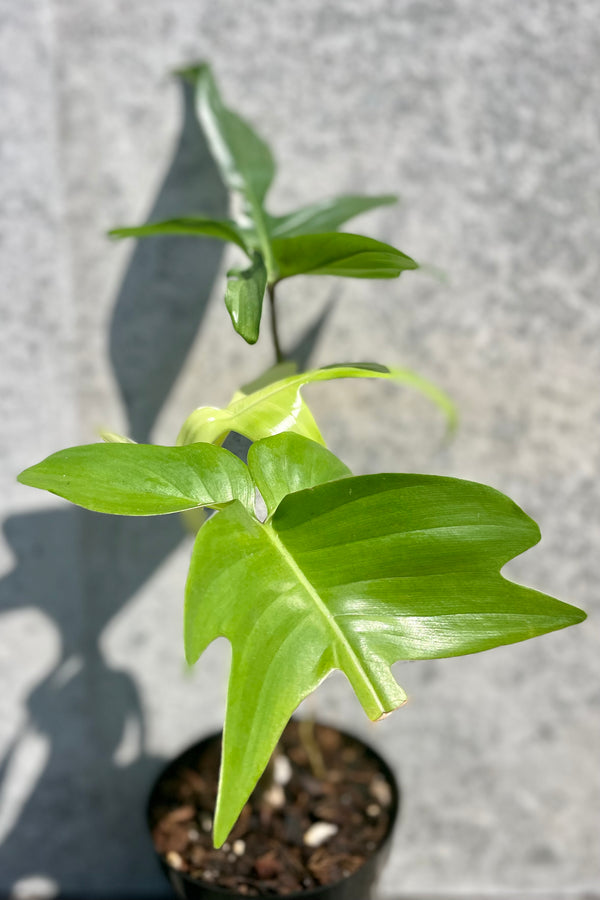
297	833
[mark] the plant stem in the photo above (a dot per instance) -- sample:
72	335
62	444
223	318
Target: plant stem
306	733
277	346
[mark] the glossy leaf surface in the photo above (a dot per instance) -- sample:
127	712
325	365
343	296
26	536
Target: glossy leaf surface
143	480
336	253
278	406
327	215
244	298
187	226
244	159
352	574
287	463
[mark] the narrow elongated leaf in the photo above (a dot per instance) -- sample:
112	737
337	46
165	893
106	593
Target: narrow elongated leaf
327	215
143	480
279	406
336	253
244	298
287	463
187	226
244	159
352	574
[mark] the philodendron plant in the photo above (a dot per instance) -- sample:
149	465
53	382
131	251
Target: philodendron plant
340	572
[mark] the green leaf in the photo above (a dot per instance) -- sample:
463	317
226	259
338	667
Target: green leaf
279	406
327	215
353	575
143	480
336	253
244	159
190	226
244	298
287	463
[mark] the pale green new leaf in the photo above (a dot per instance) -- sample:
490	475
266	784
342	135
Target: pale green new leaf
187	226
337	253
112	437
278	407
143	480
354	575
244	298
327	215
287	463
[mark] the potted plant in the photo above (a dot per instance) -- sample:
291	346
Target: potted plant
329	570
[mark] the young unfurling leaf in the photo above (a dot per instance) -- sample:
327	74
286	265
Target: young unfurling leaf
279	406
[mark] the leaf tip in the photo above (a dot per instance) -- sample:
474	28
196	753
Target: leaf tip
192	72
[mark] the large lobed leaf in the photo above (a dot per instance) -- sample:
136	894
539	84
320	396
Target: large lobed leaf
143	480
279	406
353	574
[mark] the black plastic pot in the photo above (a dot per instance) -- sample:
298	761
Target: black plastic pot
358	886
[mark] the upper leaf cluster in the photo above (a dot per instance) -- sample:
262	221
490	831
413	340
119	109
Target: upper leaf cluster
303	242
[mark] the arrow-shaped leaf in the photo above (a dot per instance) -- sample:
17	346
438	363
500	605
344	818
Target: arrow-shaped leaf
279	406
353	574
325	216
143	480
244	298
336	253
187	226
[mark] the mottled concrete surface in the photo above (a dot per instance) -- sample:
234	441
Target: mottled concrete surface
484	117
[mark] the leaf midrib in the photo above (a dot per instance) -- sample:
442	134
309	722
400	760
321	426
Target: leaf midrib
324	612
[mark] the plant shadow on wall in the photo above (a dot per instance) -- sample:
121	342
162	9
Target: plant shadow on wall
80	821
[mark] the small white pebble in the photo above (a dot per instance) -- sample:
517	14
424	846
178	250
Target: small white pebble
282	770
206	823
193	834
275	796
226	847
318	833
381	790
174	860
239	847
373	810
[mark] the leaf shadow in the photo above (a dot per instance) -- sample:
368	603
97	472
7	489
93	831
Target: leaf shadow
166	289
80	821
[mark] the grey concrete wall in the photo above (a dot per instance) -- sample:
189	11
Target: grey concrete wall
484	117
